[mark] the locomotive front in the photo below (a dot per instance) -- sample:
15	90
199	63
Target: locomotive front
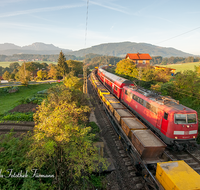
183	127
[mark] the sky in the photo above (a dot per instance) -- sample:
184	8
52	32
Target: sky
165	23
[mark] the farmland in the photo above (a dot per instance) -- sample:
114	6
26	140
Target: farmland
183	66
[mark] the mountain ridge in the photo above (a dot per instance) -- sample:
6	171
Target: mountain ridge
119	49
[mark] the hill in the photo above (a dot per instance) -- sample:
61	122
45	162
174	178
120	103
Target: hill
122	48
112	49
35	48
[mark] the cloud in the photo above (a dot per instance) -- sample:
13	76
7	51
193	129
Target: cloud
44	9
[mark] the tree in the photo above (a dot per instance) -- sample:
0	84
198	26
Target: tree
187	83
148	74
52	73
197	69
73	82
1	70
23	75
42	74
127	67
14	65
62	142
62	66
75	66
6	75
44	65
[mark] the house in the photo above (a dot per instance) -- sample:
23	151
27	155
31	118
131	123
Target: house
140	59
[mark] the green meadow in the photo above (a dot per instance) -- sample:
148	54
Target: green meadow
9	101
182	66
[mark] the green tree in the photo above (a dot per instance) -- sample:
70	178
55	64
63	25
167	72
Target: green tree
14	65
44	65
6	76
75	66
62	142
148	74
187	83
127	67
62	66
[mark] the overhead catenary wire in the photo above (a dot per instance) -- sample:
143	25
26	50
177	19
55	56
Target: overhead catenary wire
84	64
86	22
178	35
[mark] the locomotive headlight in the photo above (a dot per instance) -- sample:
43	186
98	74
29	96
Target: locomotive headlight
194	137
176	138
188	126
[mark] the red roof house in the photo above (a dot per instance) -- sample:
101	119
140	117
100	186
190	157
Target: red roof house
140	59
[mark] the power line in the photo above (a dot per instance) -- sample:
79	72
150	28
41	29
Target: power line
86	22
178	35
84	64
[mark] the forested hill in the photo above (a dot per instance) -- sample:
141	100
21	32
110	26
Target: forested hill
122	48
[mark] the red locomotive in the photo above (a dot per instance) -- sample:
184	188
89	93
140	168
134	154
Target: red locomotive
175	124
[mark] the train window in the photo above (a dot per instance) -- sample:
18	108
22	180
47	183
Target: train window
165	116
180	118
151	108
148	105
136	98
115	88
141	101
185	118
126	92
191	118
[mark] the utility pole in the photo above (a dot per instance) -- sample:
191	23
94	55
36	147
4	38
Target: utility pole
84	78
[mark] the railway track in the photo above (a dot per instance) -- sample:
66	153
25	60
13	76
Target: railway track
125	176
191	158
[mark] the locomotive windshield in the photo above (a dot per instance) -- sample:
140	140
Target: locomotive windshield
185	118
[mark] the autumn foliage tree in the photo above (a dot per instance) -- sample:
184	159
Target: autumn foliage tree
127	67
73	82
6	75
23	75
62	142
52	73
42	74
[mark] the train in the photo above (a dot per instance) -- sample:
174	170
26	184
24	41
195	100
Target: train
175	124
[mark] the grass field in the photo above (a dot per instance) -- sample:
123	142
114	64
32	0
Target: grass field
183	66
6	64
9	101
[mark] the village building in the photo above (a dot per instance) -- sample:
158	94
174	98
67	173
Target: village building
140	59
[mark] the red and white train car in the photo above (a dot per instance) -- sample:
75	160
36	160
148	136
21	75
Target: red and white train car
175	124
113	82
